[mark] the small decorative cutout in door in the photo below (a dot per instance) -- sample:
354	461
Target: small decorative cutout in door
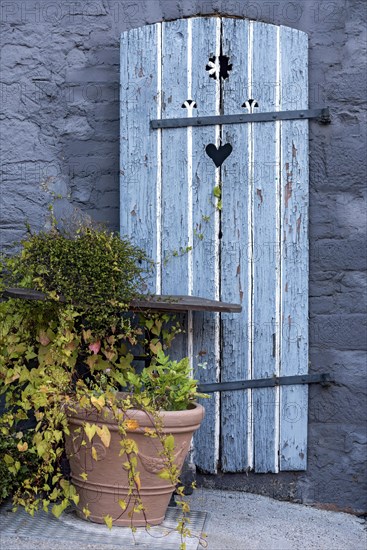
222	209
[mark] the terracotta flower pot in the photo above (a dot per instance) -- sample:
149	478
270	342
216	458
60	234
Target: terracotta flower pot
107	480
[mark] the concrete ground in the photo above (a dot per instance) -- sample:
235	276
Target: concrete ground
243	521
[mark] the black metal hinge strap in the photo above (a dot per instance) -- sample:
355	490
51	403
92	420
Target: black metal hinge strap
322	115
323	379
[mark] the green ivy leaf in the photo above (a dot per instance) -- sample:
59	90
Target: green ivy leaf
9	460
104	434
169	443
122	505
164	474
108	521
58	509
90	430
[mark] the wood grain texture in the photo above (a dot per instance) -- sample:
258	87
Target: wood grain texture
174	160
294	251
236	432
255	251
138	143
178	303
204	260
153	302
265	201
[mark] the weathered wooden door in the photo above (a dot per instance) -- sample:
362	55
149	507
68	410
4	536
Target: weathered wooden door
222	209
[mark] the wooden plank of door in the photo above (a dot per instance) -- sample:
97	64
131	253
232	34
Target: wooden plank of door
264	165
294	250
174	222
236	418
174	218
204	258
139	146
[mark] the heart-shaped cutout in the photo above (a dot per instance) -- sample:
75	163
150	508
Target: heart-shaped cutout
218	154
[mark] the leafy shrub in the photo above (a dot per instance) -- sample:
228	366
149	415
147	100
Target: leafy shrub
93	269
75	350
167	384
16	465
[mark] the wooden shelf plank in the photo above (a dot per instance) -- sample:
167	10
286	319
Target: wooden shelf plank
153	302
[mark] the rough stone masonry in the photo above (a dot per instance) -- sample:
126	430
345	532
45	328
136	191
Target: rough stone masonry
59	91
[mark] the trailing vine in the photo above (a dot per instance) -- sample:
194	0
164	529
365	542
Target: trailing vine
76	350
198	231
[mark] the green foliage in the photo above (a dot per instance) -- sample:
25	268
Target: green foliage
16	463
78	352
199	227
93	269
168	384
217	192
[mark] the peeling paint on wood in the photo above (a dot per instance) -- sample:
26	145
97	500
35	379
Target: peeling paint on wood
236	435
254	250
204	255
294	210
175	228
266	260
138	181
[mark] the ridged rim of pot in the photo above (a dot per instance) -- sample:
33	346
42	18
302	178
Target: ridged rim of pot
180	421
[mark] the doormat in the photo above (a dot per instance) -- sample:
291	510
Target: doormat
70	528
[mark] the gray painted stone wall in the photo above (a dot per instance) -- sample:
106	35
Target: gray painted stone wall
60	136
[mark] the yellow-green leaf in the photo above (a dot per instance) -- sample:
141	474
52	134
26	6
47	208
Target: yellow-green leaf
94	453
164	474
90	430
54	495
58	509
87	335
137	481
155	348
155	330
122	504
98	403
104	434
41	448
185	507
150	432
86	512
91	361
129	446
169	443
108	521
149	323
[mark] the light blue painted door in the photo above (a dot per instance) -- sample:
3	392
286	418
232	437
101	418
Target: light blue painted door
232	229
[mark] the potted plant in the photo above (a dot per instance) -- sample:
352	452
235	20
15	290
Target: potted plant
67	366
150	428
